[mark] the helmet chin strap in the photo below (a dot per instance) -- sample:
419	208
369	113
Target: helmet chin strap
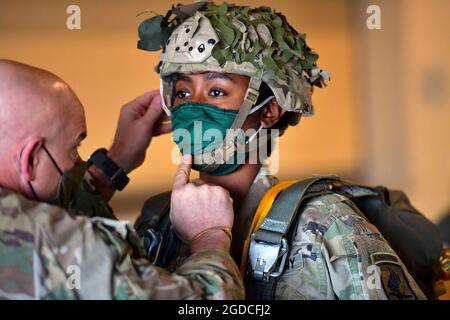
219	156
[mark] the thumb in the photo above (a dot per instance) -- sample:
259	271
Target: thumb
182	175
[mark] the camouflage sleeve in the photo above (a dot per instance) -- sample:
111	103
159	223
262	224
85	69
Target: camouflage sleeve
337	254
47	254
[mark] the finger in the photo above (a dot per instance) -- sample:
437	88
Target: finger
138	106
146	99
183	171
162	128
154	111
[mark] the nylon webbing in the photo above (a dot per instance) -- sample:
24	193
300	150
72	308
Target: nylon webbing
280	217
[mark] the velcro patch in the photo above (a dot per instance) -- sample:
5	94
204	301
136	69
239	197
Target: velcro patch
380	257
395	283
295	262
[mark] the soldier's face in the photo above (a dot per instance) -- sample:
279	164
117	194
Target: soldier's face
223	90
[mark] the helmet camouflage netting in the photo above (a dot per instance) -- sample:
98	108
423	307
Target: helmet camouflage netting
258	43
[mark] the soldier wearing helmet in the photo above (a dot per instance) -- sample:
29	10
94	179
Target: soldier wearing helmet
237	75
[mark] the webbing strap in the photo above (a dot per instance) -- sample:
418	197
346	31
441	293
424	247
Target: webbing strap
283	211
263	208
262	281
251	96
260	289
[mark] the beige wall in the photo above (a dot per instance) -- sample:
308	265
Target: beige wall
427	96
403	92
352	124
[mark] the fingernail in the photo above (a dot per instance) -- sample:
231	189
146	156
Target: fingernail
187	159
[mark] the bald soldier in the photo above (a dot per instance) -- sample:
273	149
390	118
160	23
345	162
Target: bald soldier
58	237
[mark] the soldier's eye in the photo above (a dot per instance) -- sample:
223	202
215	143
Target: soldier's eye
75	155
181	94
217	93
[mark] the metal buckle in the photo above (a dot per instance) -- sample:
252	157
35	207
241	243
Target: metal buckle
252	92
265	258
251	95
152	242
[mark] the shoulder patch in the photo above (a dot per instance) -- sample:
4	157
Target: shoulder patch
393	278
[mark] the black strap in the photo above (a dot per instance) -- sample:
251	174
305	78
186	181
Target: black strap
260	289
152	213
155	231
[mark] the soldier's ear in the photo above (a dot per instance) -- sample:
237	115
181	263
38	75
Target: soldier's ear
28	158
271	113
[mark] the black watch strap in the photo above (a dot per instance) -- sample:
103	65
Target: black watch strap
116	174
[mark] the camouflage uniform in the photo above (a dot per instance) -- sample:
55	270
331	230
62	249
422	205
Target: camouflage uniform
334	246
331	254
42	247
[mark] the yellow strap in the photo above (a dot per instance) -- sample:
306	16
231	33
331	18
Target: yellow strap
261	213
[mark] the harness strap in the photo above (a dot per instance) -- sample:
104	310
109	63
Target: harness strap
268	248
261	213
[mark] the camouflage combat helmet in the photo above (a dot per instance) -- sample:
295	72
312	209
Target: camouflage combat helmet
258	43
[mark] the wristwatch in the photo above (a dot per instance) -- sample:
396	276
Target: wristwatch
116	174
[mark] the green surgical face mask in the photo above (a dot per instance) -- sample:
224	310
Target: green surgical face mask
199	128
75	194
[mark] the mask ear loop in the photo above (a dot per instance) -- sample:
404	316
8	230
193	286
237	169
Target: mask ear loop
253	110
53	160
32	191
250	139
259	106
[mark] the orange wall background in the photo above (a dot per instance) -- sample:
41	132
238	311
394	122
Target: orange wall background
384	118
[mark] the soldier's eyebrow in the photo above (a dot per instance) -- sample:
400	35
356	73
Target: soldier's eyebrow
216	75
182	77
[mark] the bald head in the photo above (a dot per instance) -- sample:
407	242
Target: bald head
36	108
33	100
